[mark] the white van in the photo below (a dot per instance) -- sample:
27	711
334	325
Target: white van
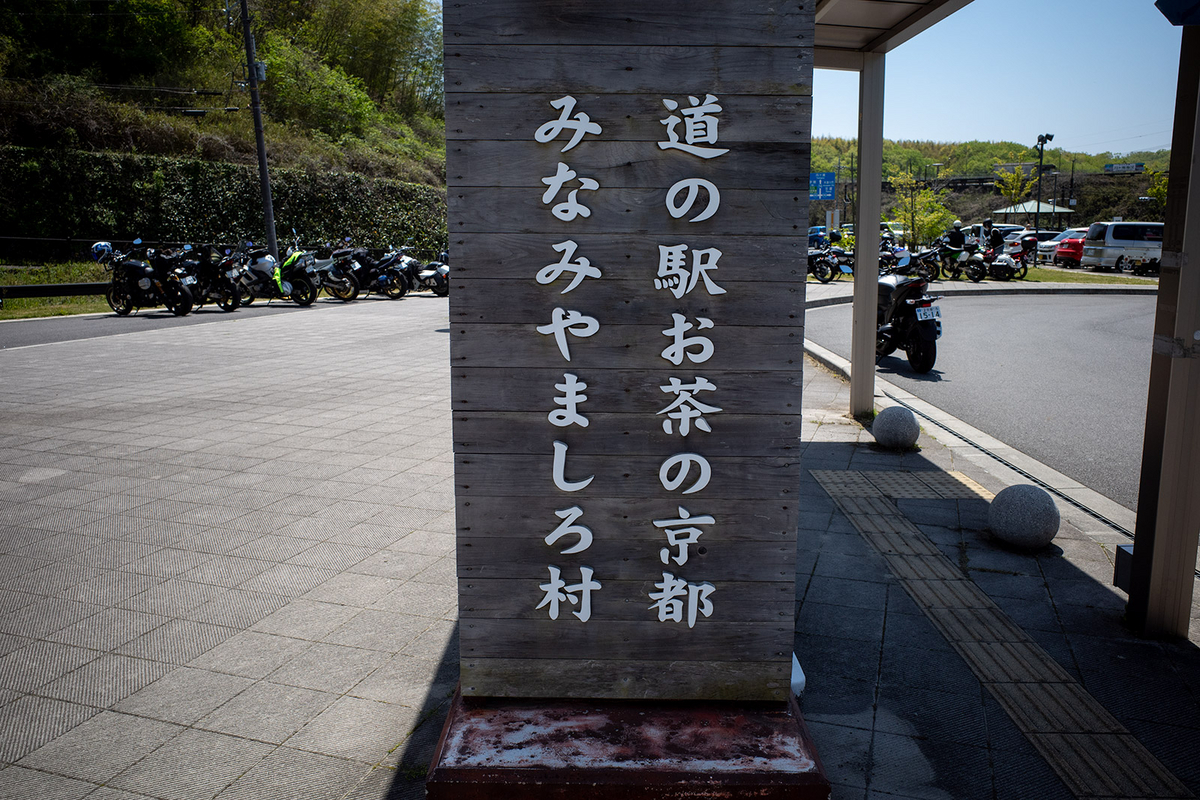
1136	246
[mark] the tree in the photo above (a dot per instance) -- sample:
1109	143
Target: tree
1158	188
1014	184
920	209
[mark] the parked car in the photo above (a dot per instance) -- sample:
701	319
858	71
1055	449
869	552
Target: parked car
1069	251
1046	247
1012	241
815	234
1136	246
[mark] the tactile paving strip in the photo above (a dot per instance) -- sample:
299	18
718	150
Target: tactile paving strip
1084	744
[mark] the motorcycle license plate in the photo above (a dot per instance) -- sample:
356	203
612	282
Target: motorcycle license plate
929	312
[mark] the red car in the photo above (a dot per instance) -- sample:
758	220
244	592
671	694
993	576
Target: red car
1070	249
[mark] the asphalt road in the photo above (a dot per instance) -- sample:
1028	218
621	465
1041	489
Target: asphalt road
27	333
1062	378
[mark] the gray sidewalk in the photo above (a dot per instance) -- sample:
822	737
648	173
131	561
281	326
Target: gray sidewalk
227	558
226	570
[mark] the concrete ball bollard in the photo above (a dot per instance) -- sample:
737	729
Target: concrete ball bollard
896	428
1024	516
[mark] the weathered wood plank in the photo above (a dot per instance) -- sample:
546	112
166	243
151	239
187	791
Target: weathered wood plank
625	640
623	165
643	211
757	601
628	302
623	118
623	519
744	259
622	347
618	391
527	558
785	70
631	22
629	680
621	476
628	434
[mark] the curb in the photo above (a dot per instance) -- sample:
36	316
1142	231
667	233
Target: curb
1091	512
952	291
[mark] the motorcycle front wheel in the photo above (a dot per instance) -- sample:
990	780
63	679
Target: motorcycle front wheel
1022	271
397	288
227	298
928	271
822	271
441	289
344	288
303	292
922	355
178	300
245	296
975	272
119	300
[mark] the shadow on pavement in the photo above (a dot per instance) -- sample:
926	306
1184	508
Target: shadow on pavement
895	709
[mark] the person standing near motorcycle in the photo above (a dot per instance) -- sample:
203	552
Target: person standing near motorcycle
955	237
992	238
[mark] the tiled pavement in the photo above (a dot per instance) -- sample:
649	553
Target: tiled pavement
226	558
226	570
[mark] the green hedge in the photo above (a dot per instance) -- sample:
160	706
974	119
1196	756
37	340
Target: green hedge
79	195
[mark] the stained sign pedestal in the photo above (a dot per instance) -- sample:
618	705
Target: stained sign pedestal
538	750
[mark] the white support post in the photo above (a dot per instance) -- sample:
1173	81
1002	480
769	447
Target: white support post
866	234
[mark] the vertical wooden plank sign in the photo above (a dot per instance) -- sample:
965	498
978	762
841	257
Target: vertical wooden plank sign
628	208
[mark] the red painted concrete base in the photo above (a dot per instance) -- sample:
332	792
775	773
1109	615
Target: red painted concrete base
543	749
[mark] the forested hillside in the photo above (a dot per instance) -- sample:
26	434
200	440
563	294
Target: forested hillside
969	158
351	85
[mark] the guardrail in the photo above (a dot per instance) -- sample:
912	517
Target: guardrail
51	290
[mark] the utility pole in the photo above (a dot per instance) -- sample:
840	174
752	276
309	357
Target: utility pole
264	177
1043	138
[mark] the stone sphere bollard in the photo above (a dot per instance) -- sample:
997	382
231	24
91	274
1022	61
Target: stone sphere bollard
1024	516
896	428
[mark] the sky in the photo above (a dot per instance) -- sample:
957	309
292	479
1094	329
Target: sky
1098	74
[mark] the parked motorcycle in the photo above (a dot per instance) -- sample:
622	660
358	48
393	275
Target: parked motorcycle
434	276
827	261
136	283
214	281
907	319
1023	252
336	275
296	280
383	275
952	259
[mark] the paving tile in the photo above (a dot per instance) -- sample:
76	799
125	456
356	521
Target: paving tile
28	722
408	681
109	629
353	589
845	752
329	668
287	774
177	641
18	783
251	654
268	712
911	767
102	746
364	730
105	680
306	619
387	631
195	765
421	599
183	695
841	621
37	662
289	580
173	597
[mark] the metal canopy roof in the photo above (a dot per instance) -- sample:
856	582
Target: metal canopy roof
848	28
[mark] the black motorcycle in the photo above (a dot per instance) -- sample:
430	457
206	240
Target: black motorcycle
908	320
827	261
295	280
381	274
137	283
214	283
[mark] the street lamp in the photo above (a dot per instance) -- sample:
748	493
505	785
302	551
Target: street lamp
1043	138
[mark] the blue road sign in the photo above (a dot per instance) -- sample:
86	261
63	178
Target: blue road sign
821	185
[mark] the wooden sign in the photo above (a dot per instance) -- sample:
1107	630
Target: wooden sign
628	213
